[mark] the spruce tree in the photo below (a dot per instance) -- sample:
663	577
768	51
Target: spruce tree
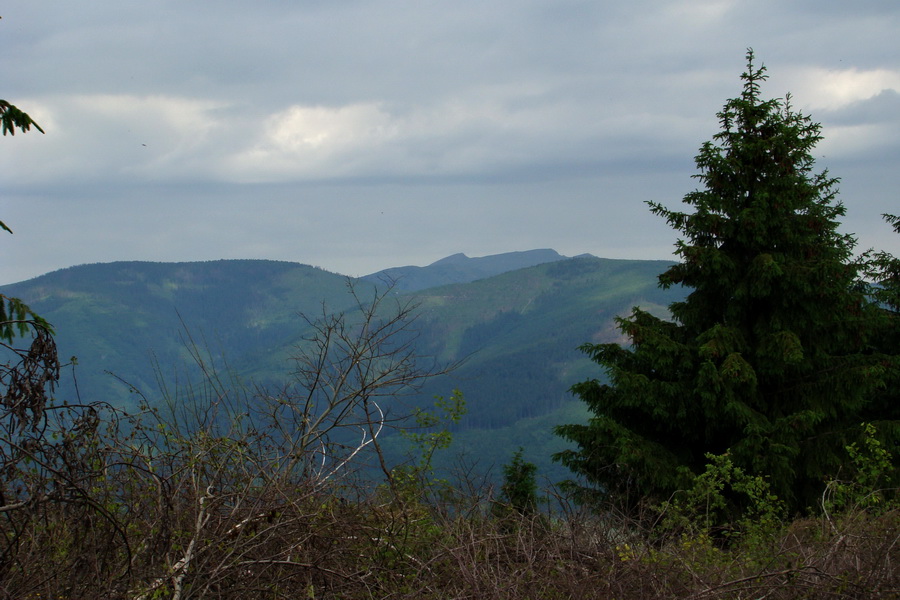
885	273
768	357
519	490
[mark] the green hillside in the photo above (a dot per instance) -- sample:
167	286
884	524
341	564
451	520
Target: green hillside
516	333
127	318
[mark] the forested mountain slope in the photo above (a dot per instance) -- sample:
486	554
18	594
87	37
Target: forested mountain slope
128	318
516	332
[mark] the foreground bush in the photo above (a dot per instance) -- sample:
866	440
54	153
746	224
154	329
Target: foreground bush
143	537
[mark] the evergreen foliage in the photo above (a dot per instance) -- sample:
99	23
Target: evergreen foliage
519	490
769	356
12	117
885	273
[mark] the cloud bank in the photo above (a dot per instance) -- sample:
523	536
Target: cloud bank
371	133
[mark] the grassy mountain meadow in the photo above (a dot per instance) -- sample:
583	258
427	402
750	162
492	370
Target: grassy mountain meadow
512	321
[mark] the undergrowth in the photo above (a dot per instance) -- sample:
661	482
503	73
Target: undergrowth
247	540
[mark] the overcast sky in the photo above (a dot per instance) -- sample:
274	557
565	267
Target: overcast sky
357	135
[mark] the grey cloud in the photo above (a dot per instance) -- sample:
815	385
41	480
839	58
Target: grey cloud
882	108
473	126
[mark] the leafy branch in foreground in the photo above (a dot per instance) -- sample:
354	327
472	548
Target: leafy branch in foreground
12	118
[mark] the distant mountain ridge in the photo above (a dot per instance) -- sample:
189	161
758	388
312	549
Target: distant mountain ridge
517	327
506	310
459	268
